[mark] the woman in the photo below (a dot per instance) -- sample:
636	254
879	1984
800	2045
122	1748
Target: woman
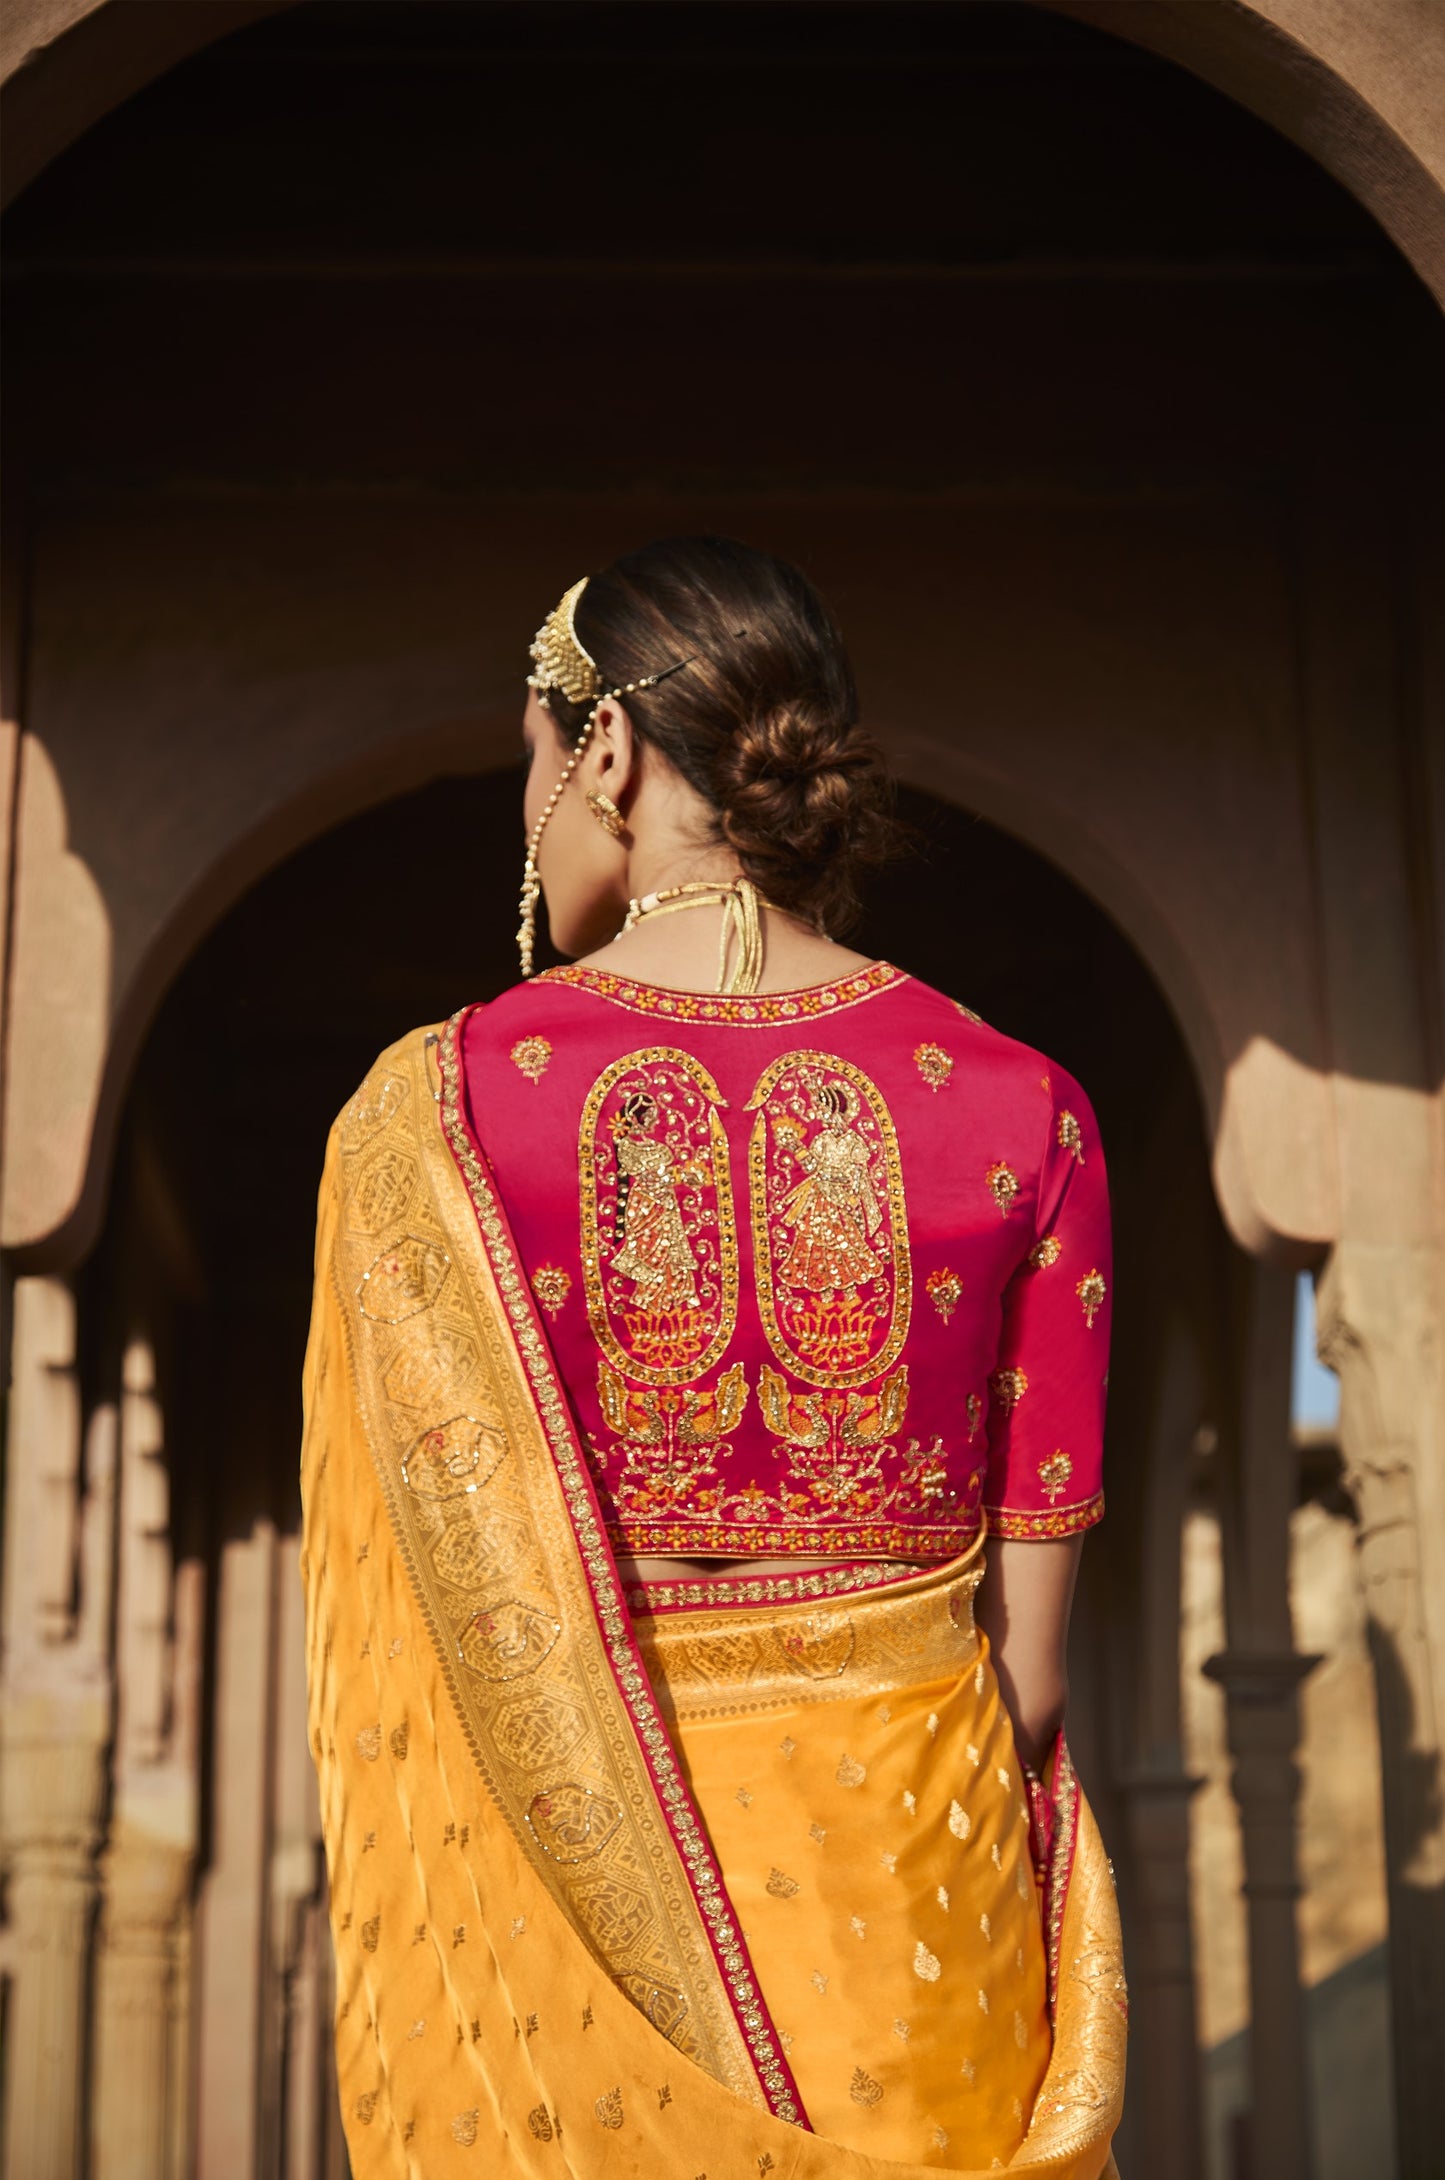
684	1319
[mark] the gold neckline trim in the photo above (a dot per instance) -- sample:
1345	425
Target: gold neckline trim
750	1010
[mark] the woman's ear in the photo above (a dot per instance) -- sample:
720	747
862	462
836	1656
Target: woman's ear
613	751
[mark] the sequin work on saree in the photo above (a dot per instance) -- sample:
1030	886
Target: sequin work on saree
539	1952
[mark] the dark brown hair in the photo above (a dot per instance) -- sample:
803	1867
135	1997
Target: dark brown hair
764	720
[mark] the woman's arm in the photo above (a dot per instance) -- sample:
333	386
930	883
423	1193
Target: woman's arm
1023	1607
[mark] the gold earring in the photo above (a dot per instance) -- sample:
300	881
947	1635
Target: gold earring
606	812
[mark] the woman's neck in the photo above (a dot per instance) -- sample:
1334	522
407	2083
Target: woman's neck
681	951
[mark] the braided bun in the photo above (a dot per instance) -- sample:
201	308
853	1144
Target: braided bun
762	721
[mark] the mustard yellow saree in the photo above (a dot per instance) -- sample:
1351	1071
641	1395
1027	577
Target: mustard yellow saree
730	1891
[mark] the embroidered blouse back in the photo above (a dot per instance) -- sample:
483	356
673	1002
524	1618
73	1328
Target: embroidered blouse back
827	1273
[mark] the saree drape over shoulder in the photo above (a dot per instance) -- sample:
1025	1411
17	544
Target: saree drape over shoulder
717	1879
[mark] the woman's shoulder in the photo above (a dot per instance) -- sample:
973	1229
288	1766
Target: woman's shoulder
961	1032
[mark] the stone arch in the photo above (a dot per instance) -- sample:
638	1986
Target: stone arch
1358	89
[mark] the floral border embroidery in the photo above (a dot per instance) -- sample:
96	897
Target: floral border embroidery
701	1540
719	1918
762	1009
1034	1523
653	1598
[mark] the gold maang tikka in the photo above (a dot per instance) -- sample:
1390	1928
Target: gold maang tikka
561	661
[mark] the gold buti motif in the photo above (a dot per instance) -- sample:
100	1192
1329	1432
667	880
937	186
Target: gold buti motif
551	1285
1046	1252
1054	1473
454	1458
850	1772
659	1240
464	2128
933	1064
1091	1291
1008	1387
539	2123
926	1965
531	1055
1003	1184
403	1281
782	1887
830	1227
864	2089
1071	1136
973	1409
944	1290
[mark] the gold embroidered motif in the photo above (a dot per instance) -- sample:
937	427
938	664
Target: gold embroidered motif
1046	1252
1004	1183
817	1832
464	2128
368	1743
926	1966
857	1925
609	2109
539	2122
1071	1136
864	2089
969	2071
551	1285
838	1451
366	2106
396	1741
659	1243
1021	2034
1091	1291
673	1440
370	1934
850	1772
967	1012
889	1862
664	2098
830	1227
934	1065
819	1982
903	2030
786	1746
531	1055
945	1291
942	1898
1055	1473
959	1821
986	1926
910	1802
973	1409
780	1886
1008	1387
743	1798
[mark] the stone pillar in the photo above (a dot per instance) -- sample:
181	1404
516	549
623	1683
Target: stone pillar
55	1718
1155	1790
1379	1314
1260	1673
148	1862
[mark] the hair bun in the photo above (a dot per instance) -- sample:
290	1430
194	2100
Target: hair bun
803	802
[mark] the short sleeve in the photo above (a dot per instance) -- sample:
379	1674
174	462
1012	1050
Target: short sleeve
1047	1392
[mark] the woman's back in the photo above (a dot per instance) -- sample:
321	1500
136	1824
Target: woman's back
826	1272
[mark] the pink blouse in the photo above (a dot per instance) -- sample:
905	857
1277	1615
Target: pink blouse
826	1273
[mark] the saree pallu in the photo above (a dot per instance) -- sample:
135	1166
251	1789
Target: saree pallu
742	1891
